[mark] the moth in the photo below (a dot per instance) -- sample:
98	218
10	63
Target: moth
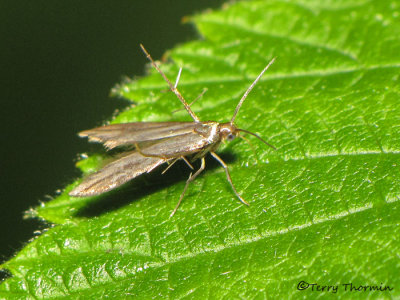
157	143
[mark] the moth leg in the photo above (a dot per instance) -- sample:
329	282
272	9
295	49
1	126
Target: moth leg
177	78
228	176
169	166
174	161
190	179
146	155
138	149
187	162
250	144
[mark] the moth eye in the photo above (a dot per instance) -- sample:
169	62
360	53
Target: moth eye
230	137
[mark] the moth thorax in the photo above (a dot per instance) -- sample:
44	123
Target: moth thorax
227	131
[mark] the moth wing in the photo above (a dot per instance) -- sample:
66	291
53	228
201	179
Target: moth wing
181	145
116	173
115	135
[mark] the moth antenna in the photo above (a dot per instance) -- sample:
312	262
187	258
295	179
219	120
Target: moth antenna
194	101
249	90
250	144
171	86
257	136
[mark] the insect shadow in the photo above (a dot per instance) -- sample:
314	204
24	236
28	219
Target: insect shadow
145	185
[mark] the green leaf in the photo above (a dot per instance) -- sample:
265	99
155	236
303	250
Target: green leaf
324	208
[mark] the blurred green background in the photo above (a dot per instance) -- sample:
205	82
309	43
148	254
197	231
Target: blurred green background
58	62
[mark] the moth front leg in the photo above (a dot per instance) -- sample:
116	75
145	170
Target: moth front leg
190	179
228	176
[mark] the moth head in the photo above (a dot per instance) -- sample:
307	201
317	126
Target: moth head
228	131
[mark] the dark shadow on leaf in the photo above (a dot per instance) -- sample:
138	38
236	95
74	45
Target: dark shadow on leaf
4	274
147	184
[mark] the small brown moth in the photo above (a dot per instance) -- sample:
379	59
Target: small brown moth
162	142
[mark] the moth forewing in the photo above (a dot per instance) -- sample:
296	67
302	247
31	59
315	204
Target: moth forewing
158	143
116	173
145	159
176	146
116	135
